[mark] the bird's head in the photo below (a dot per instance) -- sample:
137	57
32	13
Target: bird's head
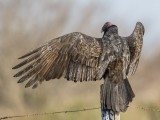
109	28
106	26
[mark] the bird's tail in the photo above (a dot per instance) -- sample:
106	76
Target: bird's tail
116	96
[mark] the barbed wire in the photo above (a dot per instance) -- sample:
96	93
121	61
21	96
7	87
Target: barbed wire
51	113
147	108
77	110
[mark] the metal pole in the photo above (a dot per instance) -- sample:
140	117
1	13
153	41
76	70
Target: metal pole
107	114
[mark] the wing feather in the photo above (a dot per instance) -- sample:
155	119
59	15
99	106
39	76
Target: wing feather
26	69
27	60
135	42
30	53
75	56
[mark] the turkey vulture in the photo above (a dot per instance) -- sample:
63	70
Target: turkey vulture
79	57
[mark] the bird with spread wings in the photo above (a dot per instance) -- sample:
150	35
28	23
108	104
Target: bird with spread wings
79	57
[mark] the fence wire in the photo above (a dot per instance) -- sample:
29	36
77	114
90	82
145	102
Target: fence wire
72	111
51	113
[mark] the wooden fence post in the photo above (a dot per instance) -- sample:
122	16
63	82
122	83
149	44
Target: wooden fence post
107	114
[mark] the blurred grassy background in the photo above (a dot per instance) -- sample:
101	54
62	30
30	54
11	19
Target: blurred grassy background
26	24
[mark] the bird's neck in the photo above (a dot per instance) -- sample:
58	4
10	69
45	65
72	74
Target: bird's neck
113	30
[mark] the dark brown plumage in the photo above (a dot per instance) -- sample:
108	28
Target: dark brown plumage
79	57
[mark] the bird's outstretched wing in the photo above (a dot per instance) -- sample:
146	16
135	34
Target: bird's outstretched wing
74	56
135	42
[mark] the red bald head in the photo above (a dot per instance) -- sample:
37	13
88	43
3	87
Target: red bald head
106	26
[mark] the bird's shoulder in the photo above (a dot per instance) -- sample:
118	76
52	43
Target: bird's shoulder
116	43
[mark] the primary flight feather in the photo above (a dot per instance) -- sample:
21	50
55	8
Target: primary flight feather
79	57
